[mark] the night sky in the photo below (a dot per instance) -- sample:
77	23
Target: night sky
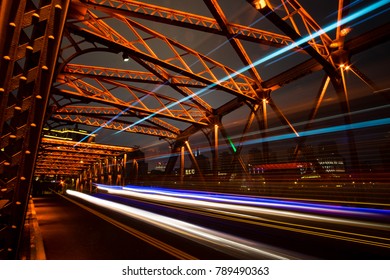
295	99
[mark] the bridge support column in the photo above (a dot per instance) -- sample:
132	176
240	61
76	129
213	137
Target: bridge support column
182	164
124	175
215	151
194	161
135	168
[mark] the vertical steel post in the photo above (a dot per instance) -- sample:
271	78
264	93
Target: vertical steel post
181	164
124	174
215	152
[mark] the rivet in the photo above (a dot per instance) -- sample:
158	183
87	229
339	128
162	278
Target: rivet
6	57
38	97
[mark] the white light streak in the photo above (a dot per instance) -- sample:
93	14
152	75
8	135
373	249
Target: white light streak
257	208
235	246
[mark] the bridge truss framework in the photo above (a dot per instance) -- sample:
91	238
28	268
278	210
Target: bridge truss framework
49	78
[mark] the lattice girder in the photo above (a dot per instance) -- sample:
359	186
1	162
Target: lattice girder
117	125
171	16
29	49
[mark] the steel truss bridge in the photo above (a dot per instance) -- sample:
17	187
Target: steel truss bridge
62	63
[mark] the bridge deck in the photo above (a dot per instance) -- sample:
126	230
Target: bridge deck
71	233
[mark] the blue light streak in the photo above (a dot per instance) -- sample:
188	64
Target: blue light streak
318	120
252	201
337	128
103	126
334	129
275	54
345	20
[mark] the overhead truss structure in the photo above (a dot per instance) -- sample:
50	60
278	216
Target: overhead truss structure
168	70
71	158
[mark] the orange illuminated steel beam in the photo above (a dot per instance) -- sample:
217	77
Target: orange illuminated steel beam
53	152
115	42
355	45
79	70
208	71
115	125
171	16
59	163
82	147
105	113
63	157
320	51
59	166
223	22
80	159
63	172
164	106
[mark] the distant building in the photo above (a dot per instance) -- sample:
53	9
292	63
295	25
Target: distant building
332	164
160	166
288	170
225	162
329	159
203	163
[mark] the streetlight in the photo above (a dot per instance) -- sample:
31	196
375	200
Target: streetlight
125	57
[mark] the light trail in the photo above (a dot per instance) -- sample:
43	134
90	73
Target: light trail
140	235
235	246
354	16
103	126
370	17
113	119
286	136
275	54
328	118
139	121
258	211
253	205
360	125
338	128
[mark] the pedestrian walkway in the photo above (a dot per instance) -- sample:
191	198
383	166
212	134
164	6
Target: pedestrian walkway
32	243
